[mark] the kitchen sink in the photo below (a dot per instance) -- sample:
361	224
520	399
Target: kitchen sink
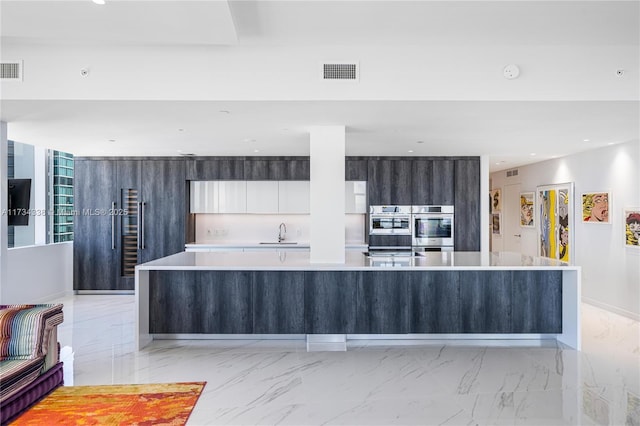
275	242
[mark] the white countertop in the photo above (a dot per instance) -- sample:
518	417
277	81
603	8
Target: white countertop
300	260
239	244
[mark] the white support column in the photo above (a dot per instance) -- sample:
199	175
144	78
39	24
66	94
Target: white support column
327	194
3	208
484	204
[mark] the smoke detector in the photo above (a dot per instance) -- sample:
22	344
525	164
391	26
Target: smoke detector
511	71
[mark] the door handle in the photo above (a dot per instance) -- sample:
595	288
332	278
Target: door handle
113	225
139	230
517	235
142	204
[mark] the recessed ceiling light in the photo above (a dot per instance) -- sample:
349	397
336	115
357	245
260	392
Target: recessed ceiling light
224	111
410	150
256	150
533	154
181	130
554	156
98	1
112	140
611	143
419	141
248	140
585	140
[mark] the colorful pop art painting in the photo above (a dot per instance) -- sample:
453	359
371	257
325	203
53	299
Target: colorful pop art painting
555	223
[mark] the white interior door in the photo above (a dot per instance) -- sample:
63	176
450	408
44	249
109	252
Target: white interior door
512	232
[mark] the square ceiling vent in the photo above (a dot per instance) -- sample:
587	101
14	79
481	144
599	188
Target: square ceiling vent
11	71
340	71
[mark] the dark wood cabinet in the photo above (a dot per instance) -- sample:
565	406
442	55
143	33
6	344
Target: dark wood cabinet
150	201
282	168
215	169
442	183
432	182
164	197
421	182
389	182
176	302
381	303
330	301
485	302
95	247
467	205
278	302
390	241
434	302
355	169
537	301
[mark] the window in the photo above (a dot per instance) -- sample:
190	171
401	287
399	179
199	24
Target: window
60	200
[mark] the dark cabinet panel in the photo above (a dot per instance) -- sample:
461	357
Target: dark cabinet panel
163	216
485	301
330	301
208	302
389	182
277	169
382	303
95	252
467	205
421	182
256	170
355	169
294	169
389	240
434	302
442	182
278	302
537	302
215	169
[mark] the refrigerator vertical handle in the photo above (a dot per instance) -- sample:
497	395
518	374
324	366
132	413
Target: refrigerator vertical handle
139	227
113	225
142	215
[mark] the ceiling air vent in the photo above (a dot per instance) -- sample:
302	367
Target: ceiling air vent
513	172
11	71
335	71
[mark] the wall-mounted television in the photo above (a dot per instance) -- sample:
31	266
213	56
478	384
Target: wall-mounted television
18	203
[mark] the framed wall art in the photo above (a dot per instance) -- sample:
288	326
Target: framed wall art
632	227
527	209
595	207
496	200
495	224
555	221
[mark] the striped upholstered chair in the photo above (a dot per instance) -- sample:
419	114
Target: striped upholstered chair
29	350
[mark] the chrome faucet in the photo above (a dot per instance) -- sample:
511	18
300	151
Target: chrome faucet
280	234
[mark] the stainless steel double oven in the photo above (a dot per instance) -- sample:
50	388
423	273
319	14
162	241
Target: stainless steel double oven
411	228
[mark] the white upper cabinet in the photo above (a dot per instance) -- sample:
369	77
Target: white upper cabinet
232	196
267	196
262	196
293	196
204	197
355	196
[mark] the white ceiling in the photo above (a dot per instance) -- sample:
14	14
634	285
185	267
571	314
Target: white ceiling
509	131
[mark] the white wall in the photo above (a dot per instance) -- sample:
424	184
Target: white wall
610	271
254	228
38	274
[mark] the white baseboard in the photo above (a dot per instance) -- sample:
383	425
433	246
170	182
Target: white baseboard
610	308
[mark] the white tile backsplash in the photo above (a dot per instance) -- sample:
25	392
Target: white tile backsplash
255	228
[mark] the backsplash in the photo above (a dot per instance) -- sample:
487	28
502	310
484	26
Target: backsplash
254	228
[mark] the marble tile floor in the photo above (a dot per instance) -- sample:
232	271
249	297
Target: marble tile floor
277	382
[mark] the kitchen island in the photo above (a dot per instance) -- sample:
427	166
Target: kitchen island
458	295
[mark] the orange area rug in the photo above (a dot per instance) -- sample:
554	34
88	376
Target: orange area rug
152	404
